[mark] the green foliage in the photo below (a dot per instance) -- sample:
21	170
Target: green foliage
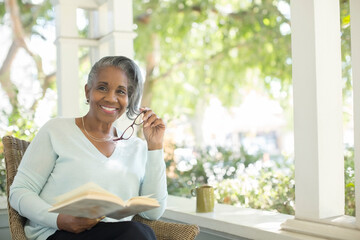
20	125
346	48
239	178
33	16
20	119
21	128
207	48
269	189
209	165
349	182
2	11
247	181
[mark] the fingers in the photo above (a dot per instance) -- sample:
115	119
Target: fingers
151	119
75	224
93	222
154	129
85	224
100	218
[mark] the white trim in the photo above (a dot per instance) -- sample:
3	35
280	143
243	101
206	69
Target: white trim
118	34
78	41
327	230
109	44
355	57
84	4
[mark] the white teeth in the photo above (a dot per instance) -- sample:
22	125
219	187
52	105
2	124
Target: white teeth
108	108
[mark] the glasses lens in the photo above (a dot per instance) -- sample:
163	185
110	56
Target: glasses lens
128	132
139	119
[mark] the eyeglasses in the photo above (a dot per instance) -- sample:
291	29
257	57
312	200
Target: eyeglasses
130	129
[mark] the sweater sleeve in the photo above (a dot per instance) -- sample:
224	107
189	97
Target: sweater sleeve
154	183
33	172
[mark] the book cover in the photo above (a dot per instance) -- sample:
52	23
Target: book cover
92	201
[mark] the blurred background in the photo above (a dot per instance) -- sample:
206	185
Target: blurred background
217	71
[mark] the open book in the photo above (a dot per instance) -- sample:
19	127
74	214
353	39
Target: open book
91	201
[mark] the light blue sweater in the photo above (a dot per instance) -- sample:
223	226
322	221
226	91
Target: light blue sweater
61	158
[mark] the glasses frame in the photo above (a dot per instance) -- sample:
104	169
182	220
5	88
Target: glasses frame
130	127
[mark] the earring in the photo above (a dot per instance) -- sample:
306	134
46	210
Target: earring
87	101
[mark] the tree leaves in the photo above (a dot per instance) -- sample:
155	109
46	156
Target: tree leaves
210	46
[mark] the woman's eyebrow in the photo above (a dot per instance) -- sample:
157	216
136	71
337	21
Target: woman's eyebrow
121	87
105	83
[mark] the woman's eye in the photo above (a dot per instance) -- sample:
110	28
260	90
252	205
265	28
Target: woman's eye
102	88
121	92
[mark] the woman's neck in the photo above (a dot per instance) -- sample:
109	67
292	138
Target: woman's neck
93	125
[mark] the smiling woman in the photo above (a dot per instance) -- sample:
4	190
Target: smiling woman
108	98
63	146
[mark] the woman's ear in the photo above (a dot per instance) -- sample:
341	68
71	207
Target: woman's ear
87	92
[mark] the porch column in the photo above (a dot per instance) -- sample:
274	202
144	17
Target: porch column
110	33
116	29
67	58
355	57
318	127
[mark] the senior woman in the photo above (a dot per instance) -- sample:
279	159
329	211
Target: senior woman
69	152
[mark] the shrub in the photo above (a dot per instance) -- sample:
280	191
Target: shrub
239	178
349	181
246	181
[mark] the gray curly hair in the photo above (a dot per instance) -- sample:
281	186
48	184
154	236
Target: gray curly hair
132	72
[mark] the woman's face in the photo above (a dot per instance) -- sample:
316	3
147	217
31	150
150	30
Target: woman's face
108	96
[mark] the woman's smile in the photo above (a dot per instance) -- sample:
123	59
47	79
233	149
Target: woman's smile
108	95
108	109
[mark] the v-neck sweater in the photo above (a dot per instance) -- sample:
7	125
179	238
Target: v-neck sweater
60	158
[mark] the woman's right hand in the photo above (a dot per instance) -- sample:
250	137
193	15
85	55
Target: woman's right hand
75	224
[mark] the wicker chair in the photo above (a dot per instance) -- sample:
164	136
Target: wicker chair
14	149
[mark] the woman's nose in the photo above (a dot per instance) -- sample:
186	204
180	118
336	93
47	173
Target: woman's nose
110	96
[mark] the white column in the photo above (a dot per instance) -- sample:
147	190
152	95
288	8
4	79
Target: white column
67	58
116	28
94	34
65	20
117	43
67	78
355	57
319	162
111	33
122	15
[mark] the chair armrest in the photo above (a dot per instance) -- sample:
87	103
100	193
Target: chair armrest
170	231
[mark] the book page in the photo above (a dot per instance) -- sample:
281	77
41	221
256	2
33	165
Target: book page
87	189
91	201
131	210
142	200
87	207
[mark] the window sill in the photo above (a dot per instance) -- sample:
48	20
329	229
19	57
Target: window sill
232	222
342	227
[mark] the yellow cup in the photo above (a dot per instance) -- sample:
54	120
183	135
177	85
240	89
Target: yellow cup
205	199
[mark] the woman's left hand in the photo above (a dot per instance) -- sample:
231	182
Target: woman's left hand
154	129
